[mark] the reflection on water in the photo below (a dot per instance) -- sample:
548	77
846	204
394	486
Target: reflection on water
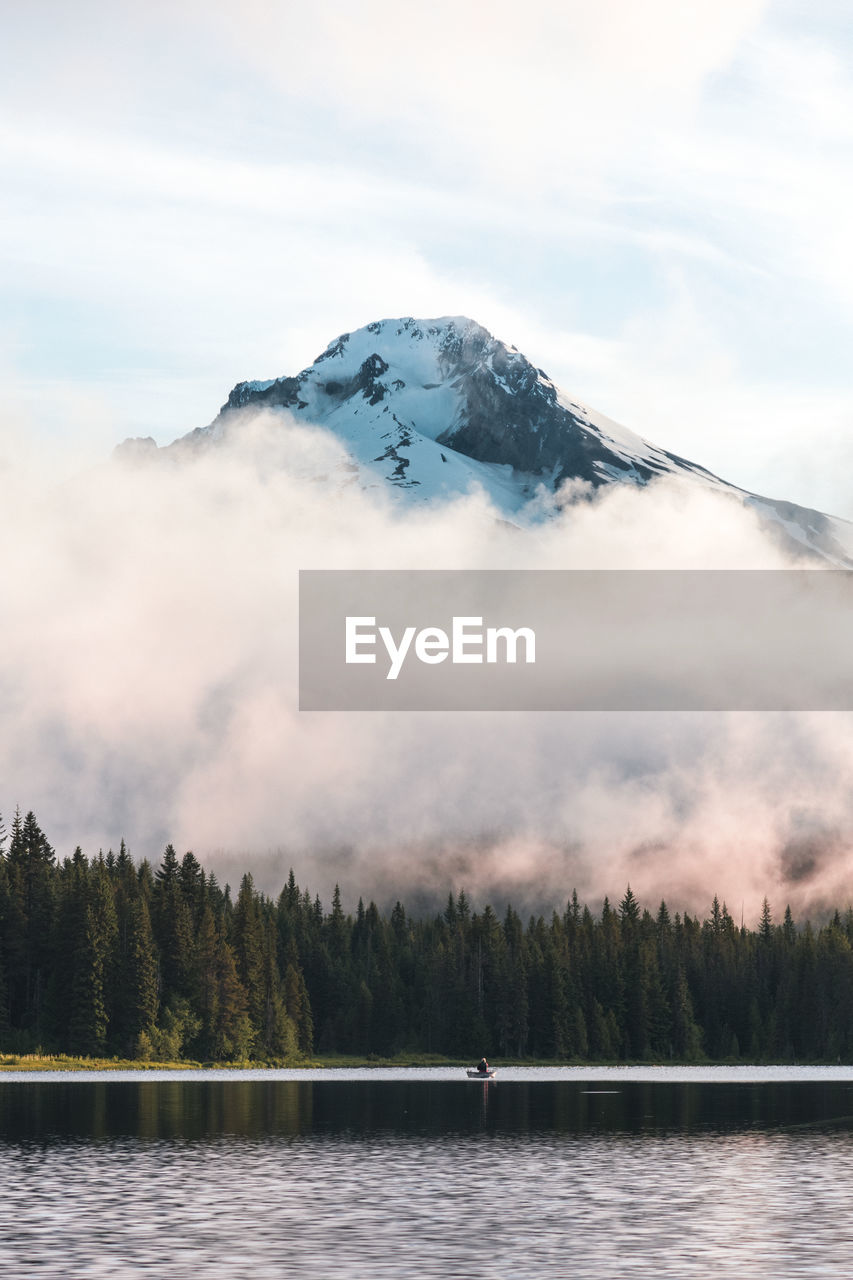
425	1177
63	1107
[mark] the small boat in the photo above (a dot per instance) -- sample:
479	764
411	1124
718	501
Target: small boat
474	1074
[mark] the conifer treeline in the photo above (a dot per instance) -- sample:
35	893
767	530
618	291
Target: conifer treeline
101	956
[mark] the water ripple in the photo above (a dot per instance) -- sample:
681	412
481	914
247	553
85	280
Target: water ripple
480	1206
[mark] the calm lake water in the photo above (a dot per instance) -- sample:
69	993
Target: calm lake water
408	1173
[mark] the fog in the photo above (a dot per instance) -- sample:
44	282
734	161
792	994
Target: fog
148	671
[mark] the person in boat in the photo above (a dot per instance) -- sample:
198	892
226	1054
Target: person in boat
483	1067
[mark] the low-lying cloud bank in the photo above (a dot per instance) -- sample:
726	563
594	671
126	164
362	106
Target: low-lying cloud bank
148	684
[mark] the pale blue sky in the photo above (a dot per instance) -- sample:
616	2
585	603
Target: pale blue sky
652	201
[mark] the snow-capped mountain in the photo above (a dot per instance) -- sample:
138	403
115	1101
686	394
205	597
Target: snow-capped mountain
432	408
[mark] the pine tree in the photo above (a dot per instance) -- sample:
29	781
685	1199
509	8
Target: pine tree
512	1010
629	909
174	932
558	1036
207	978
102	900
686	1034
298	1005
232	1032
789	931
30	866
765	927
88	1015
249	954
144	999
191	879
337	928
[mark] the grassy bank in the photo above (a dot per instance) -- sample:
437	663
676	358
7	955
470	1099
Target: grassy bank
64	1062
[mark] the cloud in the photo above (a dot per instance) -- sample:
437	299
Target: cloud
550	74
649	200
148	668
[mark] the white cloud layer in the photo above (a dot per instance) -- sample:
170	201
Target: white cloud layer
149	685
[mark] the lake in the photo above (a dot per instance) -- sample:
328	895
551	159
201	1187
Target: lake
594	1172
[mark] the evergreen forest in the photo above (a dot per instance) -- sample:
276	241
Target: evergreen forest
105	957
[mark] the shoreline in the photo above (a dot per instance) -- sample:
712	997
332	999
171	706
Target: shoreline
51	1064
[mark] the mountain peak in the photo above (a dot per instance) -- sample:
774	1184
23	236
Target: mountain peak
450	382
433	408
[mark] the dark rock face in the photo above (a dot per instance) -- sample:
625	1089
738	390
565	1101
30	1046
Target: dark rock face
283	393
518	421
510	414
367	382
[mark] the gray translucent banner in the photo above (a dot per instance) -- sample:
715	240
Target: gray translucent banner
598	640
